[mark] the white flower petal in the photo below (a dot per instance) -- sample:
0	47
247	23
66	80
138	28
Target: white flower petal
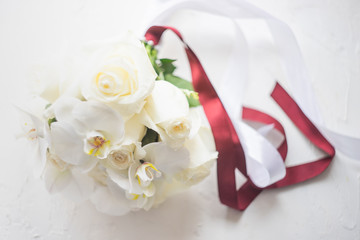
195	118
63	109
80	187
139	152
99	117
134	187
166	159
137	201
149	203
174	143
134	130
44	82
30	121
40	157
150	190
55	179
166	103
107	203
88	165
201	148
67	144
118	178
120	74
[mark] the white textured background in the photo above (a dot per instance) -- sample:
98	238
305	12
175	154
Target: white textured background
33	31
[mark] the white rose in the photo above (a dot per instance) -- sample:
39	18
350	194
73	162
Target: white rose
121	157
178	128
167	112
120	74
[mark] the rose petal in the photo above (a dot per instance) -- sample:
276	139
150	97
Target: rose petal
195	118
201	148
166	102
134	130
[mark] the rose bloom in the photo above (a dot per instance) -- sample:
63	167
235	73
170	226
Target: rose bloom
117	72
167	112
120	74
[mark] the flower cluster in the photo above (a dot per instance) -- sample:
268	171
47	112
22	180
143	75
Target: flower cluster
118	128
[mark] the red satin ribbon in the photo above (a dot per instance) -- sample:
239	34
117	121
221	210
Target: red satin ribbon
231	154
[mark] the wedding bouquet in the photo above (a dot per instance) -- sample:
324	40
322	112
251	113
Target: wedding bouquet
116	126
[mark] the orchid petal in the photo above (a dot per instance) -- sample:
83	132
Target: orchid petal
55	179
80	187
100	117
67	144
134	187
88	165
149	191
118	178
166	159
107	203
40	157
63	109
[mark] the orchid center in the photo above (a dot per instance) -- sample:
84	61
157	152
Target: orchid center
30	131
146	172
96	144
32	135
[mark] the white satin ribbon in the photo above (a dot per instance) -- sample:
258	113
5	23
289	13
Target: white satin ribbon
264	164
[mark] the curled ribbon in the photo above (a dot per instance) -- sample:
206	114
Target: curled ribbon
231	153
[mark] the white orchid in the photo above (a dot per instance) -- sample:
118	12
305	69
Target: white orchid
36	132
159	165
60	176
84	132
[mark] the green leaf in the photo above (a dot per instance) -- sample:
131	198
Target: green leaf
186	87
167	65
150	137
179	82
152	54
164	68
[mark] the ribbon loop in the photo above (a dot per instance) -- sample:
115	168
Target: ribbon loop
231	152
